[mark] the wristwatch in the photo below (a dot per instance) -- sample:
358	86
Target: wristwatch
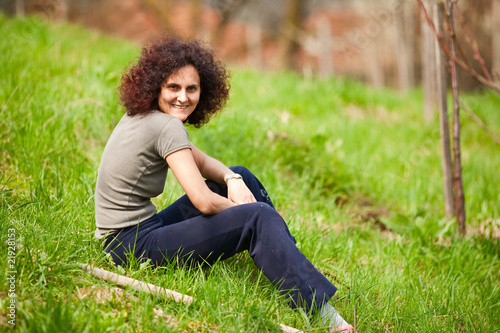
233	176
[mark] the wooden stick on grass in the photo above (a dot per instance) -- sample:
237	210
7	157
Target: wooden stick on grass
149	288
136	284
288	329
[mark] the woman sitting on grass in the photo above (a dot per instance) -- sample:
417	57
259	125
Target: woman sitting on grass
225	210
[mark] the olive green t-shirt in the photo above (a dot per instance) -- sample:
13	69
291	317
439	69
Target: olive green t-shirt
133	169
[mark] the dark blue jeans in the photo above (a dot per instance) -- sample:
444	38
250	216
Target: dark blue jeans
181	231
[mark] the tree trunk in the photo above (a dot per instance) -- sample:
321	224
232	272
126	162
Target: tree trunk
254	45
373	63
403	23
409	10
226	13
324	52
289	33
443	115
429	73
496	39
457	162
20	8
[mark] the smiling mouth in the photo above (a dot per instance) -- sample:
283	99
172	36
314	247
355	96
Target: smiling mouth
180	106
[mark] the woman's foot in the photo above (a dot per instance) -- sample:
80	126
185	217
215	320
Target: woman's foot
333	319
343	328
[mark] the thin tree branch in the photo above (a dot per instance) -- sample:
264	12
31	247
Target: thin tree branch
480	122
457	60
472	43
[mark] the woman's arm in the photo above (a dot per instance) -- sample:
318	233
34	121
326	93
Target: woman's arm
214	170
185	169
209	167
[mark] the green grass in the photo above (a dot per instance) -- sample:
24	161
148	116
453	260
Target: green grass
338	158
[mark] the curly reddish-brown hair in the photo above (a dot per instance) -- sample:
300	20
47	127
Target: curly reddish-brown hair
141	84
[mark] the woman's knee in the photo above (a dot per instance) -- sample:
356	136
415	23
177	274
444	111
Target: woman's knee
261	212
271	221
254	210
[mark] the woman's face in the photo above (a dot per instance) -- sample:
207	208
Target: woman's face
180	93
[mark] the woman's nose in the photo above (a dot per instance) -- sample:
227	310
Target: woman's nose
182	97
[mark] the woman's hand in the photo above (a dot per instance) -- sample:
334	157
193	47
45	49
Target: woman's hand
238	192
210	168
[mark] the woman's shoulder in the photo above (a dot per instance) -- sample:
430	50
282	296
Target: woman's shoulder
153	120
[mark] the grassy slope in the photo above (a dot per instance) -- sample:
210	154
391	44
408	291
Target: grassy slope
335	155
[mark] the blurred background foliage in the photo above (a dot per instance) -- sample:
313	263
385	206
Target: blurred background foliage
380	42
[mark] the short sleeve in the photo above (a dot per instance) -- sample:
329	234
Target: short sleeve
173	136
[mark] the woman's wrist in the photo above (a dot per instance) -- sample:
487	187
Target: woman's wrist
228	177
